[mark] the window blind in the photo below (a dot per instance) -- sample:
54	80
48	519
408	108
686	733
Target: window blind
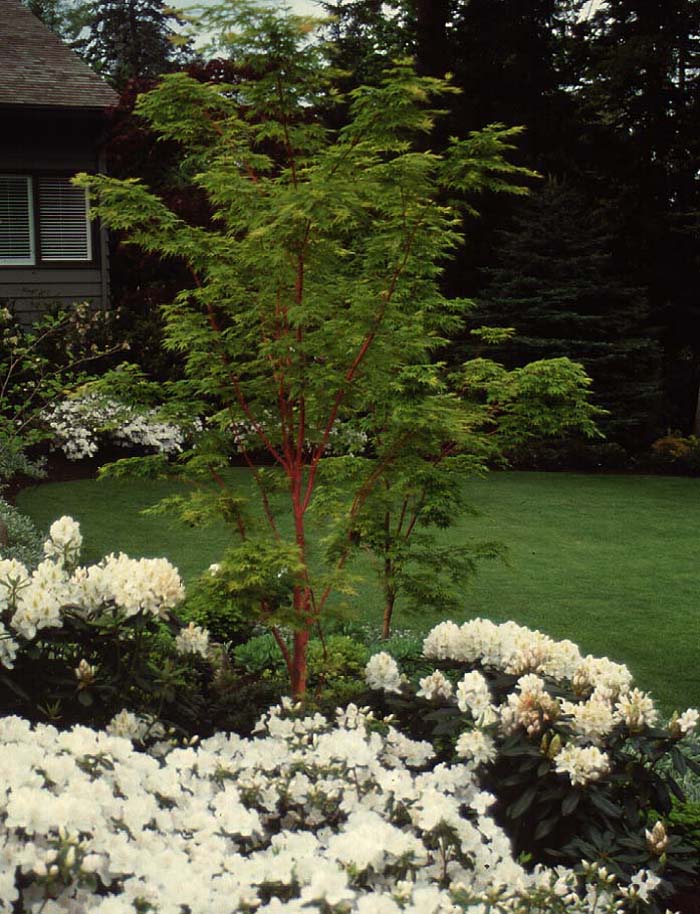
16	224
64	227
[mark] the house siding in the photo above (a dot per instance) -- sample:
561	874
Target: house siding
38	141
29	292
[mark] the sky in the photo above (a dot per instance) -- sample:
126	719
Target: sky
305	7
313	7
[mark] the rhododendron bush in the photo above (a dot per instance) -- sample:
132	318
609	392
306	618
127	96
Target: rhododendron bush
77	643
306	817
573	751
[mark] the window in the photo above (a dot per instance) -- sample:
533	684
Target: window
16	221
43	220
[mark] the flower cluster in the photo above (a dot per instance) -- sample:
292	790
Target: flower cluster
79	424
193	639
582	764
64	541
305	817
382	672
512	648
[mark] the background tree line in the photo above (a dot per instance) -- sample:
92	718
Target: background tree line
600	262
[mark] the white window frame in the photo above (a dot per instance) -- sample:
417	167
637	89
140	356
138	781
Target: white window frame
31	260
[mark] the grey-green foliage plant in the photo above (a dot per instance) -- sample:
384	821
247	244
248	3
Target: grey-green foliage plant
315	282
19	538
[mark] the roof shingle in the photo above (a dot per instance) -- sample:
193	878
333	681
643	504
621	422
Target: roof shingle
38	69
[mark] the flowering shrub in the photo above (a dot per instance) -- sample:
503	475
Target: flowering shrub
306	817
572	750
80	424
98	637
38	363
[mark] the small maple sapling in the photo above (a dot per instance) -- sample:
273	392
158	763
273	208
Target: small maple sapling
315	283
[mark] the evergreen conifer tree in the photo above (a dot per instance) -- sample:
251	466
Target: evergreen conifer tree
365	35
131	38
555	281
640	97
67	18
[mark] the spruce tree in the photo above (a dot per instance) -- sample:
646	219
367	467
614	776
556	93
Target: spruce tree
640	96
132	38
67	18
365	35
555	281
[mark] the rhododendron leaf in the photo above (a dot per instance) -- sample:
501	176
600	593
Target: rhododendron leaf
693	765
678	760
570	802
522	804
545	827
605	805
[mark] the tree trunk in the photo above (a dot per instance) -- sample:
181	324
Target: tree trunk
695	430
389	601
299	669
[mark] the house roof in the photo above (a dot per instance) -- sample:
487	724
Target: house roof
37	69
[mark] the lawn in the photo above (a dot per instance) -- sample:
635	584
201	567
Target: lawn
608	561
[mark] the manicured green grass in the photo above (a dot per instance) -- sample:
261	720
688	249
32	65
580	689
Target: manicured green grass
608	561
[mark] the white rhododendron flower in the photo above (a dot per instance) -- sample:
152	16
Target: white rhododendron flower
193	640
636	710
30	602
477	747
65	540
591	720
514	649
473	695
530	707
152	586
687	722
136	727
382	672
582	763
603	676
641	886
435	686
78	424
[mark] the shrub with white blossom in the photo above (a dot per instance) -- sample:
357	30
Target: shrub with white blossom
349	817
81	424
79	642
572	750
